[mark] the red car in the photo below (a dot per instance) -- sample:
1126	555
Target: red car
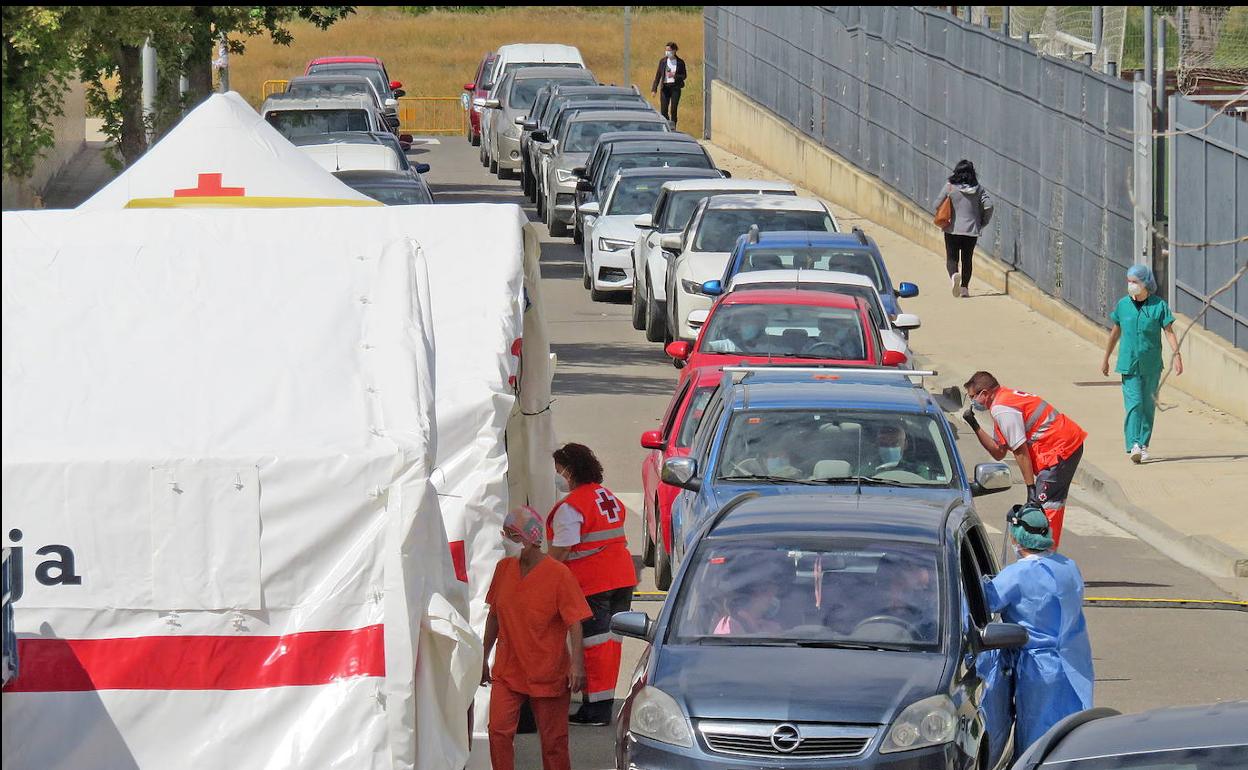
786	326
477	90
674	439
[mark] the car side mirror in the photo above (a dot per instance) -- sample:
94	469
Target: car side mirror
520	121
713	288
493	104
727	174
393	102
478	103
633	624
579	172
584	185
398	93
529	125
680	349
588	208
395	85
672	242
652	439
540	137
990	478
681	472
421	168
1001	636
470	86
643	222
907	321
406	138
894	358
907	290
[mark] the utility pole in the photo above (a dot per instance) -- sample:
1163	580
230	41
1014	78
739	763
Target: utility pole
1005	20
148	61
628	46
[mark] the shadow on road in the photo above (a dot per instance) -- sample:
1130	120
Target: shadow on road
612	355
592	383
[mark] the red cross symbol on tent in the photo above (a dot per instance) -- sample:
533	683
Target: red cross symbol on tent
209	186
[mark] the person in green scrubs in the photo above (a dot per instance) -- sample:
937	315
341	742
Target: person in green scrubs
1139	319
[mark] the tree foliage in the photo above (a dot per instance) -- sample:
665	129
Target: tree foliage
36	69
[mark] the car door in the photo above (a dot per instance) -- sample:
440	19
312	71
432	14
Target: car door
653	463
647	242
993	668
686	238
685	505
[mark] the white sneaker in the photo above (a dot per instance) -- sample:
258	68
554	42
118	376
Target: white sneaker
1136	453
1144	454
955	284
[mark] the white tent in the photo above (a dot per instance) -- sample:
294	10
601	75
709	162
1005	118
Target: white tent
224	154
218	441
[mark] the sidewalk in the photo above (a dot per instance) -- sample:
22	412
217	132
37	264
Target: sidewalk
1190	501
84	175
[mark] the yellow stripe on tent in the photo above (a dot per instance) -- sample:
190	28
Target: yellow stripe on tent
242	202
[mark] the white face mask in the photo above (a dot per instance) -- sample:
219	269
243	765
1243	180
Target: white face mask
670	54
561	485
1134	289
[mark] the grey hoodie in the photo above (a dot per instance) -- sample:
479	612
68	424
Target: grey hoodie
972	208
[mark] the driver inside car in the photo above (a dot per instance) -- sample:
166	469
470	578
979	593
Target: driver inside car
892	452
906	611
745	333
839	339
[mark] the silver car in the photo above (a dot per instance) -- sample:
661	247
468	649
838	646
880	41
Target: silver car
511	103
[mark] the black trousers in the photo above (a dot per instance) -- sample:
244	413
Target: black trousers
959	247
669	101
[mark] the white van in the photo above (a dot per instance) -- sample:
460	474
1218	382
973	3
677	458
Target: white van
515	56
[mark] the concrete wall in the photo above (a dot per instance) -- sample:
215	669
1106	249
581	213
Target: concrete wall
1218	373
70	130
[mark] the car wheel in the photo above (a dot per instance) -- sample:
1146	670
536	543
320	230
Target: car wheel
647	548
484	160
494	167
475	140
662	562
600	296
541	208
656	319
586	279
639	309
578	236
557	228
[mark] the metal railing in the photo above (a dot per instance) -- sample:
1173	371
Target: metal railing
432	115
271	87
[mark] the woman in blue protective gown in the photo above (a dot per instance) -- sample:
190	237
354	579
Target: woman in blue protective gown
1043	592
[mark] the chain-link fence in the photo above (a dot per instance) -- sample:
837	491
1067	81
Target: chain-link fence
903	93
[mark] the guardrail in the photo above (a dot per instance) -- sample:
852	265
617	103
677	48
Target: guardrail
271	87
432	115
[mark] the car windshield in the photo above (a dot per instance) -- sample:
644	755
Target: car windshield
693	416
835	446
634	196
583	135
524	92
720	228
621	161
866	293
292	123
372	73
1229	757
394	195
857	261
312	89
792	331
817	591
512	66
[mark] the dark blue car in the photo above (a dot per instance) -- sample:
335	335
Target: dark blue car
853	252
782	431
825	631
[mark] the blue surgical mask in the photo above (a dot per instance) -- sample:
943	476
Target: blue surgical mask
890	454
978	406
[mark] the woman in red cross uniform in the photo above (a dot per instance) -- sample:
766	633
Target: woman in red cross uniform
586	532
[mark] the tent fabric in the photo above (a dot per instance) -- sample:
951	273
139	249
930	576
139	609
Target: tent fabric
226	421
224	154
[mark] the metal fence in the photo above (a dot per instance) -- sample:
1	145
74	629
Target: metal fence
1208	202
904	92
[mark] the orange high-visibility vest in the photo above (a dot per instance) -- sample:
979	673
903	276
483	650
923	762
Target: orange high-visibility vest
1051	435
601	561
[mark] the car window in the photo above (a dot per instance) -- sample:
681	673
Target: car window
823	591
975	601
693	416
706	429
633	196
856	261
292	123
371	72
830	446
312	89
789	331
721	227
524	92
512	66
583	135
673	408
620	161
868	295
683	203
396	196
660	206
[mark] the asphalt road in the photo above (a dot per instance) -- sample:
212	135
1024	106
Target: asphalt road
611	385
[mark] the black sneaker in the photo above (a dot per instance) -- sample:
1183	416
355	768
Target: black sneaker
592	715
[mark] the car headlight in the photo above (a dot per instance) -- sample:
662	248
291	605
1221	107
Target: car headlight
657	716
930	722
691	287
565	176
612	245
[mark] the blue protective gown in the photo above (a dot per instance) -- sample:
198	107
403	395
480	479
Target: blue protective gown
1053	674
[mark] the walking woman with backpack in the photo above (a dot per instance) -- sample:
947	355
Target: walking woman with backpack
963	210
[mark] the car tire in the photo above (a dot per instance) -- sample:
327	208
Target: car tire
578	237
656	319
662	561
600	296
484	160
557	228
639	309
541	208
475	140
494	168
647	548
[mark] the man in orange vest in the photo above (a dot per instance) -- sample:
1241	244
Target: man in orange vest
1047	444
586	532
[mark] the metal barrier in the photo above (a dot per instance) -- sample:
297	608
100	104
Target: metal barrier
271	87
432	115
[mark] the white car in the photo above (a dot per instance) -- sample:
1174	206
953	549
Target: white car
340	156
892	330
670	214
609	224
703	248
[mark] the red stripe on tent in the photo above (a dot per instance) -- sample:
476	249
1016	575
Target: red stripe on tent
198	662
459	560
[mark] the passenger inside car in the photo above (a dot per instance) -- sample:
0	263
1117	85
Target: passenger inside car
751	596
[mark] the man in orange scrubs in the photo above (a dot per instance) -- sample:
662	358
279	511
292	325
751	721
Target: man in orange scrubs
536	609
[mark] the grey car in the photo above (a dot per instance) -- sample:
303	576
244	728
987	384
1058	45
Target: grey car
510	105
570	149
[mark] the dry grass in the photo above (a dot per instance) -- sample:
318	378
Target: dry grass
434	54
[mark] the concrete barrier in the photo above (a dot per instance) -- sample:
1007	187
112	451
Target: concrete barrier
1219	372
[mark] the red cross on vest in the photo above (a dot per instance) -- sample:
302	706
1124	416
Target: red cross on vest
209	186
609	506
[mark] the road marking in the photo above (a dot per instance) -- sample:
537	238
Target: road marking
426	140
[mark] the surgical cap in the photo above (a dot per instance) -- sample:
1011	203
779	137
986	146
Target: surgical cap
525	522
1040	538
1143	274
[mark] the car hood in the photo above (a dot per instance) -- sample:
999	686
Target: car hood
704	265
865	687
570	160
620	228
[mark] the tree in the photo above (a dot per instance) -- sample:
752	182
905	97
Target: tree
36	70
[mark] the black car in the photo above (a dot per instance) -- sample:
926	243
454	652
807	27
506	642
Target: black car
393	188
818	631
1213	737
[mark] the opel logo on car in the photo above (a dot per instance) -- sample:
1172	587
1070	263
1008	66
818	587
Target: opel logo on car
786	738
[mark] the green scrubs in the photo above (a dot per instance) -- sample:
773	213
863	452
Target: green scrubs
1139	362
